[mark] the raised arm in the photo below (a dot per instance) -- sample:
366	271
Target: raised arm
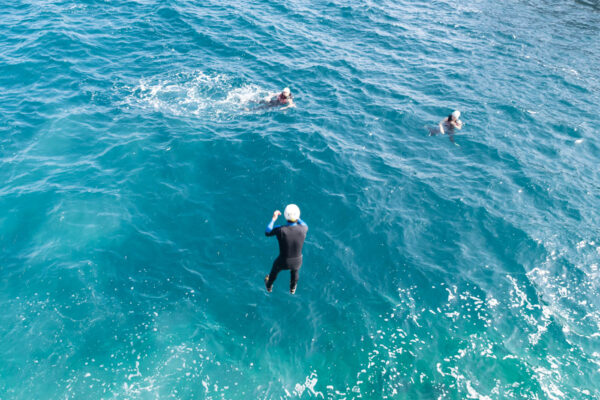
270	231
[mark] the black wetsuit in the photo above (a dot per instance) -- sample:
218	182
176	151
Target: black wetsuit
275	101
291	238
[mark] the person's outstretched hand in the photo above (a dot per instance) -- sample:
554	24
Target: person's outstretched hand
276	214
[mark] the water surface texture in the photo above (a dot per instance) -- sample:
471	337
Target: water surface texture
137	178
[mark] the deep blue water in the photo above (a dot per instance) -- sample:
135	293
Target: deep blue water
137	178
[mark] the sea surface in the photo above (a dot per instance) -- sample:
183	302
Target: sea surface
137	175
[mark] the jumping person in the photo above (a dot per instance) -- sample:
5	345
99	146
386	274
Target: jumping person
291	238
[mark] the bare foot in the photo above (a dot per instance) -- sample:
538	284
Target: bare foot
269	289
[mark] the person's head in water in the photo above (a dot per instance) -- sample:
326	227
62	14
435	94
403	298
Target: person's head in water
285	95
448	124
291	213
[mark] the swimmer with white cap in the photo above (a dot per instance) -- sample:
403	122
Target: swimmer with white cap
284	99
451	122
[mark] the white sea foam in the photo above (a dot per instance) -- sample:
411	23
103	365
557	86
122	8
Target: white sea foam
309	386
195	94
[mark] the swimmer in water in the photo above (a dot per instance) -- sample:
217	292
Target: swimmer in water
448	124
284	99
291	238
451	122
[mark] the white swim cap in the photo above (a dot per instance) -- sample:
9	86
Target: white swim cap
456	114
291	212
286	91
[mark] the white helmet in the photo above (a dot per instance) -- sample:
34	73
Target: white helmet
286	92
456	114
291	212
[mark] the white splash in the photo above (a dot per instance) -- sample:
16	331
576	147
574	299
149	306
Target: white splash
195	94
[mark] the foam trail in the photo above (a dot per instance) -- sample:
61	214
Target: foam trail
195	94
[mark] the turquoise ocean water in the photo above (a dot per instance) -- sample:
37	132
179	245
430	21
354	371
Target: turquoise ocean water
137	180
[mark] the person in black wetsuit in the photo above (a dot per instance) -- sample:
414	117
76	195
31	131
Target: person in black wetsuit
291	238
